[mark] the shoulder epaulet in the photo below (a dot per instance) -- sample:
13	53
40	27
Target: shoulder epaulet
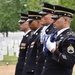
68	35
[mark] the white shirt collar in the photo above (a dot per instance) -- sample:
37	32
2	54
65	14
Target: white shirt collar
45	27
60	31
36	30
26	32
48	25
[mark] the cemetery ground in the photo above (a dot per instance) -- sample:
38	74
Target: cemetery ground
9	68
8	47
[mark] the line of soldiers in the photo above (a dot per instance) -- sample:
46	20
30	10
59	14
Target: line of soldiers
48	46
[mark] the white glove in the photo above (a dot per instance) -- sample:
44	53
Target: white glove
50	45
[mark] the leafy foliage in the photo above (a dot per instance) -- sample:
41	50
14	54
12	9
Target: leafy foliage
10	9
69	4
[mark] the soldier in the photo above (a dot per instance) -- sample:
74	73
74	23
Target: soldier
33	48
47	22
62	49
24	43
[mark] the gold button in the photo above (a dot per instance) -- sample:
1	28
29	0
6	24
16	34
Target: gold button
36	33
25	57
32	70
45	60
47	30
36	56
28	46
36	62
25	63
26	35
37	50
43	67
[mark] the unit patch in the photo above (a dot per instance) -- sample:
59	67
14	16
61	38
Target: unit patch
70	49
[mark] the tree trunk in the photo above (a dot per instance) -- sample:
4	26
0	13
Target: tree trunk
6	34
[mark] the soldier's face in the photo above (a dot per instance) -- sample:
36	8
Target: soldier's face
33	25
24	26
46	19
59	23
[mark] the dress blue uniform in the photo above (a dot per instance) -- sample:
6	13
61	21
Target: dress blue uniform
61	62
23	47
30	59
55	68
47	9
41	56
33	48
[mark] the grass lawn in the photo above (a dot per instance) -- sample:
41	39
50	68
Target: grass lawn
10	59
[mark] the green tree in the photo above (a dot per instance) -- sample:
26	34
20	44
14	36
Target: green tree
69	4
9	16
10	9
9	13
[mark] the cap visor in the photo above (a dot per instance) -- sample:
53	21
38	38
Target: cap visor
43	13
29	20
55	17
21	20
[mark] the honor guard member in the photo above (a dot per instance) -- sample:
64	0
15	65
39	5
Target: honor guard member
24	43
32	50
62	49
47	22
